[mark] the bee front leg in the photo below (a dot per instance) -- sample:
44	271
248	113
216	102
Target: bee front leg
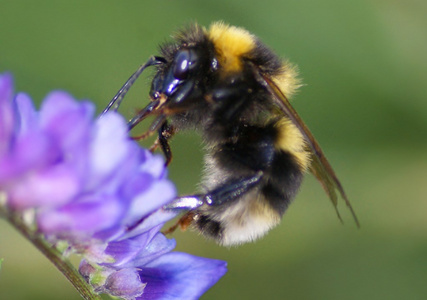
117	100
155	126
165	133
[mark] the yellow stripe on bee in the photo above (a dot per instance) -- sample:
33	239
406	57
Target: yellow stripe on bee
287	80
291	140
231	43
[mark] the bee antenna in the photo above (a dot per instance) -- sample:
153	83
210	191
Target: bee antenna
117	99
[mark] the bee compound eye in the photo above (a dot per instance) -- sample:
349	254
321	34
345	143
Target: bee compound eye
182	64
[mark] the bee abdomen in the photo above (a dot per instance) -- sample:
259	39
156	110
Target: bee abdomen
284	180
252	214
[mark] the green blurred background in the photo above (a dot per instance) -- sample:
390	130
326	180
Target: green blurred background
364	66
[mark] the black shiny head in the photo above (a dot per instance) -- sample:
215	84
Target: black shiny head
181	81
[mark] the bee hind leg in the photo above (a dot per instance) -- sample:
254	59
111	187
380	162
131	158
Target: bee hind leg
226	192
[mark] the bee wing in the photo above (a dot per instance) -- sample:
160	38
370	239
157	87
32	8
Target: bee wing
320	167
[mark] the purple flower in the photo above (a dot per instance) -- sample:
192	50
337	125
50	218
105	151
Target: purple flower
89	184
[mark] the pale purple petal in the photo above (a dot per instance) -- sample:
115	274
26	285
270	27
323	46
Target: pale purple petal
110	147
154	165
119	179
124	283
125	250
7	113
139	251
50	187
157	247
6	89
137	184
21	160
27	113
158	194
59	104
110	234
155	220
66	120
89	214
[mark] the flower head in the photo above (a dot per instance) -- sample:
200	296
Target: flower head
89	184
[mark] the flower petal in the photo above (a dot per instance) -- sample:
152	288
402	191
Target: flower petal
21	160
7	113
50	187
159	193
67	121
109	149
59	104
87	215
140	250
180	276
154	165
27	113
155	220
125	283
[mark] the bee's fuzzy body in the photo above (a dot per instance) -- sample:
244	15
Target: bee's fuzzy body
242	133
226	84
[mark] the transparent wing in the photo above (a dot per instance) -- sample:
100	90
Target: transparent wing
320	167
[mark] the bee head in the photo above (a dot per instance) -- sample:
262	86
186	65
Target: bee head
179	83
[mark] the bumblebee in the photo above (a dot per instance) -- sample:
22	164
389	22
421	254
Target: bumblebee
226	84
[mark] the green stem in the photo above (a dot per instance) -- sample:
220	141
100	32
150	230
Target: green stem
53	255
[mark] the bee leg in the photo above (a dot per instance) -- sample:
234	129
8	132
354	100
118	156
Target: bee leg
143	113
185	203
183	223
155	126
227	192
231	190
117	99
165	133
154	146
